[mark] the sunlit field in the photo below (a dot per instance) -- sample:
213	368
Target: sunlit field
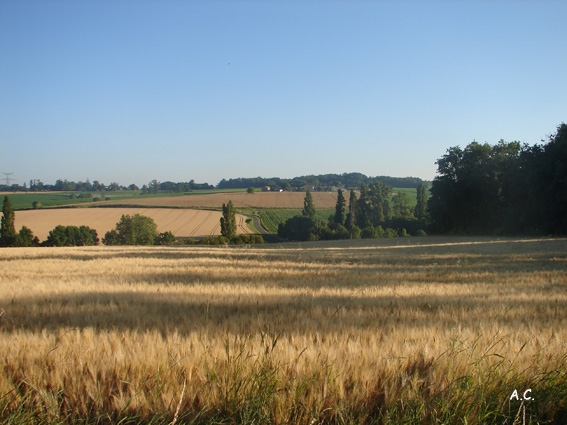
181	222
406	330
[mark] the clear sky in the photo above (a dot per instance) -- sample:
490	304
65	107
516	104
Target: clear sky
131	91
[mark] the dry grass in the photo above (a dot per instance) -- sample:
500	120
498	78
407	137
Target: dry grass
422	330
181	222
322	200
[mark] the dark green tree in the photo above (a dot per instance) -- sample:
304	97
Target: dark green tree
401	206
26	238
308	206
379	195
507	188
351	215
474	188
420	210
132	230
111	238
363	207
553	184
165	238
153	187
8	224
302	228
71	236
228	221
340	208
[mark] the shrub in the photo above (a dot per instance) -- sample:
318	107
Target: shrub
25	238
302	228
368	232
247	239
111	238
355	232
390	233
165	238
213	240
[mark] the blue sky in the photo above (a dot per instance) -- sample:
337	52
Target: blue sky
131	91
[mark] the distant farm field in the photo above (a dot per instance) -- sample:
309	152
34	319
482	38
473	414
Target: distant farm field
322	200
181	222
393	331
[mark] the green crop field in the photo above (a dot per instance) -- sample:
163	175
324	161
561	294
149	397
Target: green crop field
23	201
272	217
410	192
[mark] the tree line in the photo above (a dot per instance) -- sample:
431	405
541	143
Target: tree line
508	188
64	185
319	182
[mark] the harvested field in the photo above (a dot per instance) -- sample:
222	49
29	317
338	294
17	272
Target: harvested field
321	200
181	222
421	330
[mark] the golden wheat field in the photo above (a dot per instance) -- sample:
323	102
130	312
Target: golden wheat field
181	222
323	200
421	330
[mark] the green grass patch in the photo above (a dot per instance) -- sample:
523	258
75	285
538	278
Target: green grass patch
24	201
272	217
410	192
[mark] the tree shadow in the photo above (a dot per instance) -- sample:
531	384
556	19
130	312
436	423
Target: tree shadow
187	313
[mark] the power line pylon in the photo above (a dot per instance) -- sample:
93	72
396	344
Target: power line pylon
7	178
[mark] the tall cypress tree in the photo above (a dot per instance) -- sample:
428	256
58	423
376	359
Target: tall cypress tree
308	207
228	221
420	211
363	205
8	225
351	216
340	208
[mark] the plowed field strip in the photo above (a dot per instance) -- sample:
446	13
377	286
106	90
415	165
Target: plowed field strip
181	222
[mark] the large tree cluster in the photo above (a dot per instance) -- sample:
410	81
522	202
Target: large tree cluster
375	211
508	188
